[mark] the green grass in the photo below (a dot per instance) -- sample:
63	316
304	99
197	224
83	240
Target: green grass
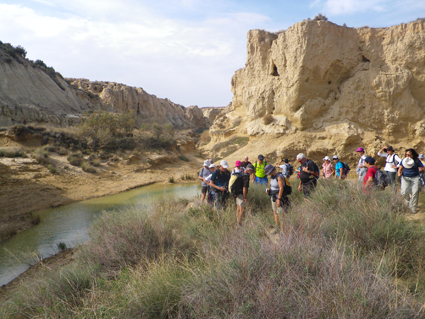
341	254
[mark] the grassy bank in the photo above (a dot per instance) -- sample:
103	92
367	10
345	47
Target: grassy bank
341	255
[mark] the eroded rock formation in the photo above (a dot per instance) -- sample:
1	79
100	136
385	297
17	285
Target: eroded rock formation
325	82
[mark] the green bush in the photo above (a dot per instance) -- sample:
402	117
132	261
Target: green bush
75	159
183	158
104	124
40	155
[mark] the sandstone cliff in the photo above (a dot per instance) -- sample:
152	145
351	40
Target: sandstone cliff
322	89
31	92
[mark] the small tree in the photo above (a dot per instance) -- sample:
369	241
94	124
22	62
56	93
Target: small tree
21	51
320	17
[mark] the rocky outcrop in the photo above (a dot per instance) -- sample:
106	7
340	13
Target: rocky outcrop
367	86
27	94
147	108
31	92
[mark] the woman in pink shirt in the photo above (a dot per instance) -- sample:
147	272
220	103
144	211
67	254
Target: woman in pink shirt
327	168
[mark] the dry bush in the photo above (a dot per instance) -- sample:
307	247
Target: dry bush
205	137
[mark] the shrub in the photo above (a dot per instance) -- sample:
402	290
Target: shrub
183	158
171	180
40	155
75	159
86	167
205	137
320	17
21	51
52	169
61	246
12	153
104	124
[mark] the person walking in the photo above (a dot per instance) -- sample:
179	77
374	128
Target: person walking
241	194
237	168
245	162
309	173
279	198
211	192
260	177
421	174
361	168
287	169
205	171
391	162
409	170
220	181
327	169
369	178
339	168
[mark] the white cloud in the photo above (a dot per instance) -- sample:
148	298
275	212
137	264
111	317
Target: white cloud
341	7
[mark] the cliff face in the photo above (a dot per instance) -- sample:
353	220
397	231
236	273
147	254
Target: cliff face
117	97
30	92
318	79
27	94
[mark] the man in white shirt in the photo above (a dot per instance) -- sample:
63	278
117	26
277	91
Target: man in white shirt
391	163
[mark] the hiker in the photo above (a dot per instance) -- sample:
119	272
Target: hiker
327	169
259	176
240	191
369	178
361	167
245	162
210	194
205	171
339	168
237	168
220	181
391	162
279	198
309	173
409	170
287	169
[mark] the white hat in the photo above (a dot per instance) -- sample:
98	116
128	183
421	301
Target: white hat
335	157
207	163
212	166
224	164
326	158
408	162
421	156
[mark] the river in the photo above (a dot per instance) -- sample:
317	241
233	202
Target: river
69	224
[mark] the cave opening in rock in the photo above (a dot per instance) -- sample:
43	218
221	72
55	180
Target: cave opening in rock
275	73
364	59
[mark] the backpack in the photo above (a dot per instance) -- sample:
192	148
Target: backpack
236	184
381	179
394	161
345	169
290	169
287	189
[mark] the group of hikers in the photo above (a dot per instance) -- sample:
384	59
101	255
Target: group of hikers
218	183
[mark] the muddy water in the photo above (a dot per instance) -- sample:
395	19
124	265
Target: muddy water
69	224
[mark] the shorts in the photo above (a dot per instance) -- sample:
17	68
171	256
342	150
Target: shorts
283	205
204	189
261	180
239	201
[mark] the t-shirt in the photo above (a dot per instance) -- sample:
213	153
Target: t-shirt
306	177
371	172
361	162
391	160
204	173
244	164
338	167
220	178
327	170
284	168
414	171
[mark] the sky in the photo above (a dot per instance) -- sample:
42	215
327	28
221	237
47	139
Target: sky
183	50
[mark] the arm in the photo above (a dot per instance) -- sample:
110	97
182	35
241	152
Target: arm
221	189
369	181
340	172
300	186
245	193
400	171
281	186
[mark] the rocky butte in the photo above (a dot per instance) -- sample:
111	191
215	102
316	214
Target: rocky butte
325	89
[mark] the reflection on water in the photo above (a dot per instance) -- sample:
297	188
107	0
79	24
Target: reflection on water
69	224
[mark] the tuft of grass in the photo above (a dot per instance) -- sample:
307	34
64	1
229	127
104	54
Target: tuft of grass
12	153
61	246
52	169
171	180
40	155
75	159
183	158
86	167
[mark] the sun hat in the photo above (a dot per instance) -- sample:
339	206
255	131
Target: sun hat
360	149
370	160
249	166
224	164
212	166
207	163
408	162
326	158
268	169
260	157
238	163
421	156
390	148
335	157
